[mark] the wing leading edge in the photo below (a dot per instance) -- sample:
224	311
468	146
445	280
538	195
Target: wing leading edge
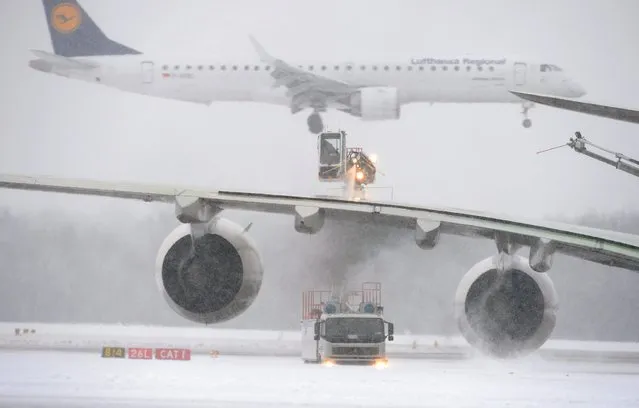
599	246
605	111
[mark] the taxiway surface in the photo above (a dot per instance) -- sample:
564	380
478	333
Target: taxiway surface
83	379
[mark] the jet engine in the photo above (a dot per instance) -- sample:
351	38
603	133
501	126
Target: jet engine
209	273
376	103
505	309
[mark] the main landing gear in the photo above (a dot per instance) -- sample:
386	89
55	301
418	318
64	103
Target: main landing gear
315	123
526	122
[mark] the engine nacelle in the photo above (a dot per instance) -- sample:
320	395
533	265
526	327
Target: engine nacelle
504	308
376	103
211	279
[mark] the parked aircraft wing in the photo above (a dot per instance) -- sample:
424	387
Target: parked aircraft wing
606	111
600	246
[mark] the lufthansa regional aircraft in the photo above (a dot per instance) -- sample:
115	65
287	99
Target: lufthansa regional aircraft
365	89
209	270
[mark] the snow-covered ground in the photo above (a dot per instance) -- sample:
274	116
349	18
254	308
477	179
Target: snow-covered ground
57	379
258	342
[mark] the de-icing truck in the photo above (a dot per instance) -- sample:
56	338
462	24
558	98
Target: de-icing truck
345	328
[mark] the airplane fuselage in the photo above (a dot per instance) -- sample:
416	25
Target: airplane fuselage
444	80
370	90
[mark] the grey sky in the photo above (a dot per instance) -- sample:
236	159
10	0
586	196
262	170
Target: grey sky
469	156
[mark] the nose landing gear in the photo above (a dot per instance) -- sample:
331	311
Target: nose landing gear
526	123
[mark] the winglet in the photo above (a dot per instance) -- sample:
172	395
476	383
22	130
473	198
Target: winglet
264	56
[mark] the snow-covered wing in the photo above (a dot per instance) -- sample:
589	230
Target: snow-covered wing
600	246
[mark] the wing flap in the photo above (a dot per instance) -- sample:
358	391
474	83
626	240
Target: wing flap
600	246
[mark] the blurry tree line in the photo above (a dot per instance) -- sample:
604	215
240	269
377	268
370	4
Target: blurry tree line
59	267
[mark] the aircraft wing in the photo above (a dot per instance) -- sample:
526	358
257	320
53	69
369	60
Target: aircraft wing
600	246
606	111
63	63
302	85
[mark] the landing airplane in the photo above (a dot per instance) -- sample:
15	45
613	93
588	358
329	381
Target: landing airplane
364	89
209	269
589	108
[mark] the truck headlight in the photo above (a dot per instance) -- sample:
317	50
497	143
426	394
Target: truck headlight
381	363
328	363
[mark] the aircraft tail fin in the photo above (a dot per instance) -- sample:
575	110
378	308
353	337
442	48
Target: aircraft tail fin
75	34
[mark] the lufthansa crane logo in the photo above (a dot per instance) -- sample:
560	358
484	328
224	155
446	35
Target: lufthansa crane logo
66	18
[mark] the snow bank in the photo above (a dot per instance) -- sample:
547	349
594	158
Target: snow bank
199	340
90	337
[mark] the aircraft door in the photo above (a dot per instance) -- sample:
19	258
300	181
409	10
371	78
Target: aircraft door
520	73
147	72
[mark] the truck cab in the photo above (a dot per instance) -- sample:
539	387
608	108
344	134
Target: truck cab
337	332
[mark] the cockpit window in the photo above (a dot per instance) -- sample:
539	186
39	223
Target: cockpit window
549	68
